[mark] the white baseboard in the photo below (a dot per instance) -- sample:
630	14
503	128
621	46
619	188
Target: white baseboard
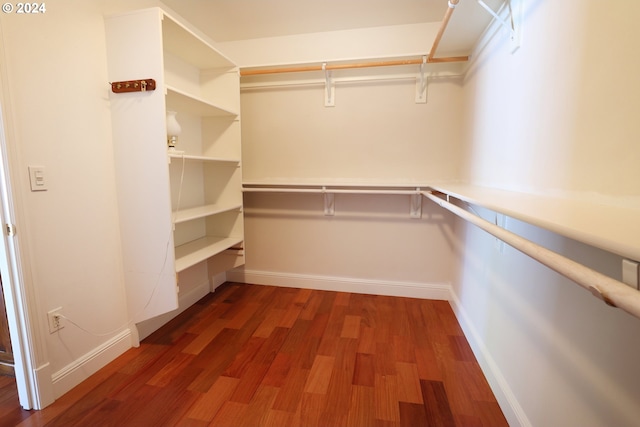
44	395
82	368
508	402
437	291
218	280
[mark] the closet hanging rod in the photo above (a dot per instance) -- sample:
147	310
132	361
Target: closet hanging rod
611	291
430	57
445	22
329	67
328	190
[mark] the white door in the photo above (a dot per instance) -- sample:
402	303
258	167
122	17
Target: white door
13	288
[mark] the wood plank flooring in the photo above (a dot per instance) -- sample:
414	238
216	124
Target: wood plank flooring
251	355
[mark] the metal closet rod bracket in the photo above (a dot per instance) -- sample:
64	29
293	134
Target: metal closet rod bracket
421	83
415	208
512	25
329	86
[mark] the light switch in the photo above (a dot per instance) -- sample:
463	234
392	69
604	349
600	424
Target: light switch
37	178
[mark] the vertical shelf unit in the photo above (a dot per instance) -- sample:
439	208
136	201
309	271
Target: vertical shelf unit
180	210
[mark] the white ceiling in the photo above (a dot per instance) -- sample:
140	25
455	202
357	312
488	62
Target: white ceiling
226	20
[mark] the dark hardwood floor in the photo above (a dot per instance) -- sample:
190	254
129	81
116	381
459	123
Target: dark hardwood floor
265	356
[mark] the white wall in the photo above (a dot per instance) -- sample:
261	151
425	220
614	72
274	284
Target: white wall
565	102
369	246
57	112
377	42
375	134
558	116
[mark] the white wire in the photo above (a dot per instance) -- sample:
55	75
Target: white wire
105	334
164	264
166	252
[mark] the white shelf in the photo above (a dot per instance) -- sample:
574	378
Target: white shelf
184	215
191	48
607	223
192	253
202	158
179	100
198	81
278	182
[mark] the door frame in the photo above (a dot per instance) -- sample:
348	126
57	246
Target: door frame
33	392
13	288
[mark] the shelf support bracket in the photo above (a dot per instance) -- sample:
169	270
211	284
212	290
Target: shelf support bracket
329	86
416	205
329	202
421	83
511	26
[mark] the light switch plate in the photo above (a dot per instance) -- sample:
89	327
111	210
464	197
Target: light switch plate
37	178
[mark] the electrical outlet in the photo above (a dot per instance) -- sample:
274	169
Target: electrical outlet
55	320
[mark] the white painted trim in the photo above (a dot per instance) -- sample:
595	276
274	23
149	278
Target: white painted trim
80	369
26	338
44	394
217	280
504	395
437	291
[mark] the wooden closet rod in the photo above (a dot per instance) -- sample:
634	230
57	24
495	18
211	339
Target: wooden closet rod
350	65
430	57
445	22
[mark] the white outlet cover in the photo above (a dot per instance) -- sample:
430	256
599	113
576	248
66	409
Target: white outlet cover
50	314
